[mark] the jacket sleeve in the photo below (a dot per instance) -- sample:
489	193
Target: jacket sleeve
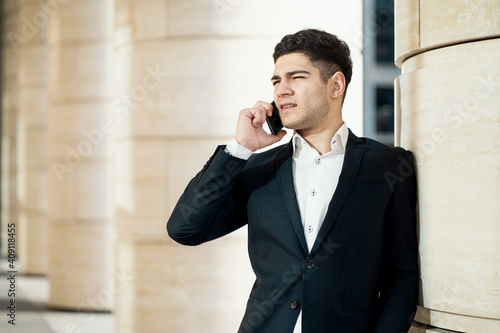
399	283
210	206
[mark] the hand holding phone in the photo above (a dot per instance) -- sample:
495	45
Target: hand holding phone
250	132
274	121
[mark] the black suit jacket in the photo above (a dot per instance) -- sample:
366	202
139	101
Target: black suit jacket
361	274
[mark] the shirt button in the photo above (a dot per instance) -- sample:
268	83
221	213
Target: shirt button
310	229
318	161
310	264
294	305
314	192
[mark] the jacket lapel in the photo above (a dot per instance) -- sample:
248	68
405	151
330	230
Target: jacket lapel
285	180
352	160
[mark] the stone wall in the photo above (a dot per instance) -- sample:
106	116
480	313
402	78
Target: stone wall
449	113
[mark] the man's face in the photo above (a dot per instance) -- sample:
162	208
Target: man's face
299	92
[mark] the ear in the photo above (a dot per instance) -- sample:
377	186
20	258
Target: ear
336	85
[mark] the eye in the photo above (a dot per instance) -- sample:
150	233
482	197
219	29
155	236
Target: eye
275	82
298	77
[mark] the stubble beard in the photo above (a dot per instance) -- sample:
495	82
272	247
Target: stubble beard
314	113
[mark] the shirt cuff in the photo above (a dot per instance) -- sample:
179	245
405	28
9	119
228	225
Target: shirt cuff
233	148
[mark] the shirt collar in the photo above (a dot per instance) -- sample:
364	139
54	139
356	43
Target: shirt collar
337	143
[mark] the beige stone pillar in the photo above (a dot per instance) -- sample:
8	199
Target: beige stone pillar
80	177
450	118
11	41
32	141
184	70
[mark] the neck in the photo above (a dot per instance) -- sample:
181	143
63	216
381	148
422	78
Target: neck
320	138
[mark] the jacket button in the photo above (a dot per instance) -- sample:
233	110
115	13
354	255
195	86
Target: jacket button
294	305
310	264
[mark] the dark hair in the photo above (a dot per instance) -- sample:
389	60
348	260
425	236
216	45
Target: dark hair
327	52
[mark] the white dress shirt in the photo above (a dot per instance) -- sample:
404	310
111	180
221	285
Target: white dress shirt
315	178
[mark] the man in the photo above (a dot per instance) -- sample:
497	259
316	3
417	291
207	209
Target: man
331	217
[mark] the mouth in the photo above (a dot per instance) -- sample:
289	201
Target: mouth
287	106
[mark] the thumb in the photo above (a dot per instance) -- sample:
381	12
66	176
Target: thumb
281	134
278	136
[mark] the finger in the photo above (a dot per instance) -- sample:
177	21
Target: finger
266	106
259	116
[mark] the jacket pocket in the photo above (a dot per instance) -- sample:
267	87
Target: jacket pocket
361	297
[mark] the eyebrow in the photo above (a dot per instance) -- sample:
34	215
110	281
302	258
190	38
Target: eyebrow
288	74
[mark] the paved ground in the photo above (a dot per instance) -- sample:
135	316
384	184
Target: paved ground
34	315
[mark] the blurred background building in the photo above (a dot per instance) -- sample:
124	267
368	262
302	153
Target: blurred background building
109	107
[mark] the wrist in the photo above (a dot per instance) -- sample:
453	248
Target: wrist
237	150
245	144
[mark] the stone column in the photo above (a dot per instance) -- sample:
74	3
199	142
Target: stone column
450	118
32	141
81	207
10	63
184	71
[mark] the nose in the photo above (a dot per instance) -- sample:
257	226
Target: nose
283	89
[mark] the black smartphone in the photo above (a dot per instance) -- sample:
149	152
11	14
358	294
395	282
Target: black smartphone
274	122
